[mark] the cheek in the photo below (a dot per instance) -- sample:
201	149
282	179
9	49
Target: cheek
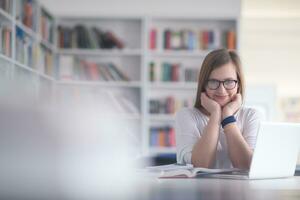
210	93
232	92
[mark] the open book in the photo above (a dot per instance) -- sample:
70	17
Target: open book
184	171
193	172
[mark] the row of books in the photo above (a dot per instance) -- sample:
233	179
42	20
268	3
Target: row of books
167	72
46	64
25	48
168	105
27	13
33	54
5	40
81	36
191	75
78	69
192	40
162	136
6	5
47	26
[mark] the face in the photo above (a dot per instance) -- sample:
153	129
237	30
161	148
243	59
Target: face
222	95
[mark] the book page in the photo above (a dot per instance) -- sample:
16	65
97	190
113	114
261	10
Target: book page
169	167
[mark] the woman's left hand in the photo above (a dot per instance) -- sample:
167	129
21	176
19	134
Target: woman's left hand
233	106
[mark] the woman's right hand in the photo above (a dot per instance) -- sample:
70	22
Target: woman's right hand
210	105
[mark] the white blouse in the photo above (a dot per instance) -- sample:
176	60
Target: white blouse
190	123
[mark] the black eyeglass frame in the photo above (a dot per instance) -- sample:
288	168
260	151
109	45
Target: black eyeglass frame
223	82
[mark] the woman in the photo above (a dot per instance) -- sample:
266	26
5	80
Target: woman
218	132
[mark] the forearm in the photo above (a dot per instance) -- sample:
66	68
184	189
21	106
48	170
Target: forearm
204	151
239	151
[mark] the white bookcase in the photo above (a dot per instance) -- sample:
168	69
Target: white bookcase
134	60
21	75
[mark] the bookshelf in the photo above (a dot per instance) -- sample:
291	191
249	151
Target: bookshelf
176	48
129	61
27	59
108	69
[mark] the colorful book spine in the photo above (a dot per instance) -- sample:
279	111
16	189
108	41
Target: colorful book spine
46	26
84	37
163	136
186	39
168	105
24	48
231	40
92	71
152	39
6	5
5	43
167	72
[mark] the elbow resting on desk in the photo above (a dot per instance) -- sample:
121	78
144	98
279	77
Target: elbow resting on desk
201	160
243	163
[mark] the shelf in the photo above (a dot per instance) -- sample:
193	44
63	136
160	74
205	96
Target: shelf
27	30
122	116
35	36
101	52
179	53
173	85
130	84
6	15
162	150
162	117
6	58
47	44
33	70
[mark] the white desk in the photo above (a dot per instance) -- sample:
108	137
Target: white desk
188	189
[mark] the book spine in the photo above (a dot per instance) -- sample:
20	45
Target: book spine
167	39
152	71
162	136
231	40
168	105
152	39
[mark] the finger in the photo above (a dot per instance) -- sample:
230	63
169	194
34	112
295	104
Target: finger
202	95
239	97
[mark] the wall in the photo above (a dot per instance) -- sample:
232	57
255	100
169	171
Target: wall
180	8
270	44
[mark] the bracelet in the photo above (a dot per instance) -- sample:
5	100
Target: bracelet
228	120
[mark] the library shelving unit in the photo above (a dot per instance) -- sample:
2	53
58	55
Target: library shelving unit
175	50
146	66
27	56
101	58
161	56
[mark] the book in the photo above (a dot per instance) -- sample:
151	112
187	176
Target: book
162	136
66	64
192	172
152	39
175	166
177	170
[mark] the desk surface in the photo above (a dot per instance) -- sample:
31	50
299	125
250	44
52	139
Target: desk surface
207	188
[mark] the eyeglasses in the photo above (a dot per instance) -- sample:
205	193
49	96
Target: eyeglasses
214	84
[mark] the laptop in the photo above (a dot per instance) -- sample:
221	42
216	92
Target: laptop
275	154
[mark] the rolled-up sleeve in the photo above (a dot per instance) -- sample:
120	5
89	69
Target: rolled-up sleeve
187	134
251	126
